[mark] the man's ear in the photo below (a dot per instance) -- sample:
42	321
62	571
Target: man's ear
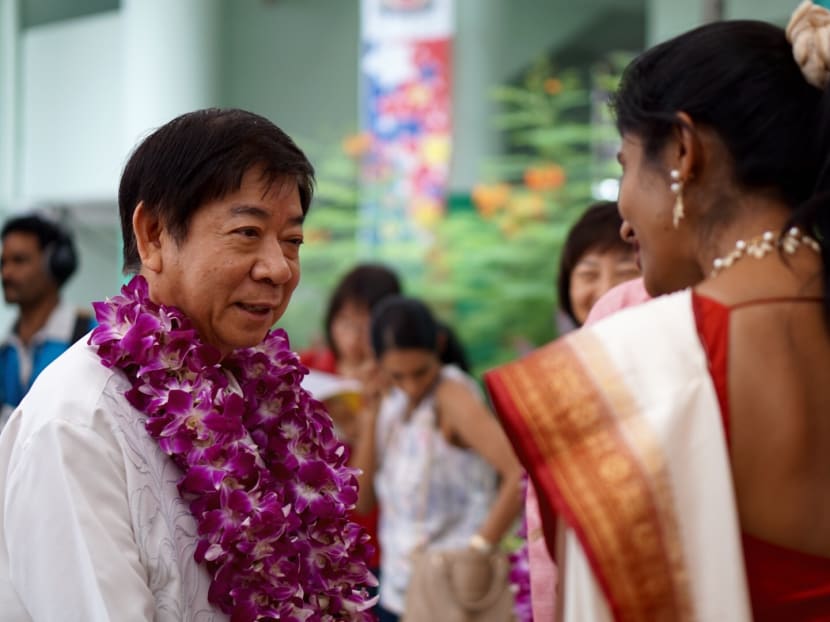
148	232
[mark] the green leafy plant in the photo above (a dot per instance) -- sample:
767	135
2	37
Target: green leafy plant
488	266
495	258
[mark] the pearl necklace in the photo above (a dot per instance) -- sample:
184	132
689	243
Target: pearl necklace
764	244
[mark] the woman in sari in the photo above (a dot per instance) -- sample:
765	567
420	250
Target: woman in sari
681	448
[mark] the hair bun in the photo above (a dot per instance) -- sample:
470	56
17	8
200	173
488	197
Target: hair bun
809	34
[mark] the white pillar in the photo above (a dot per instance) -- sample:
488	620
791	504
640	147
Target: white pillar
9	97
712	10
171	56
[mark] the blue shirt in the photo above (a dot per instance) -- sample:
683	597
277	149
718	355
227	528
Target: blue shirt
21	364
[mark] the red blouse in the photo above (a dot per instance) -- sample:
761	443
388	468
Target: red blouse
783	584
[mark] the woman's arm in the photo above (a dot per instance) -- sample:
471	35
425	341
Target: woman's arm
465	416
365	453
363	458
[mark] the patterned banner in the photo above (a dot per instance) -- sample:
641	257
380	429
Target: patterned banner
406	116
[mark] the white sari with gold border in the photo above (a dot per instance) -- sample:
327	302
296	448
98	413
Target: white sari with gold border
620	430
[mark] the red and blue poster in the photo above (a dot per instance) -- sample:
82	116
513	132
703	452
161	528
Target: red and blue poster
406	114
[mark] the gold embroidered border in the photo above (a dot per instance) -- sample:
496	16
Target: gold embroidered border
609	471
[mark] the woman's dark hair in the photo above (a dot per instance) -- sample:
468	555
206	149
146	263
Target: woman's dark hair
46	231
401	322
740	79
598	229
451	350
199	157
364	285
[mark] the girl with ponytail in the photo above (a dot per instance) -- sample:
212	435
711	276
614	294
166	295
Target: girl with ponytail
435	458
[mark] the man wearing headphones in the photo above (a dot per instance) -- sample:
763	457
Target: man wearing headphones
38	257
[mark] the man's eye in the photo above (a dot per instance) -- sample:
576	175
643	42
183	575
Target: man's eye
248	232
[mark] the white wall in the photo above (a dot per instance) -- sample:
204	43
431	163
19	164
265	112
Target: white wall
71	110
91	87
8	101
170	53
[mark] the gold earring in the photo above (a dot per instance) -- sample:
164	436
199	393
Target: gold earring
677	188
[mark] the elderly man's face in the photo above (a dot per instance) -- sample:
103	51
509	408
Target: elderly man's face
235	271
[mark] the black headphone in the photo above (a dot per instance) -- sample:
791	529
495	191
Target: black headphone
61	258
59	254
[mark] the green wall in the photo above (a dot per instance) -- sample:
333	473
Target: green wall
667	18
270	65
295	62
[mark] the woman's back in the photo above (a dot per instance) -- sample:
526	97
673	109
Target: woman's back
778	399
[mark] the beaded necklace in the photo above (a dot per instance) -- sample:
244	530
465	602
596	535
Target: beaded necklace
762	245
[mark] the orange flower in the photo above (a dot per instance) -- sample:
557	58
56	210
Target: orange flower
527	206
317	235
509	228
489	198
356	145
547	177
553	86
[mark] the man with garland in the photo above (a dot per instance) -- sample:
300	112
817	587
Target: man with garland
173	468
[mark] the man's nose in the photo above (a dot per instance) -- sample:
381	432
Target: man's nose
272	265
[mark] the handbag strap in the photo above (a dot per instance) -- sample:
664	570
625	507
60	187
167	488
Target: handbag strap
423	536
499	583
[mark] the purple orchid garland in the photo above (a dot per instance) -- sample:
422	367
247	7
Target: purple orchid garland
519	575
266	479
519	578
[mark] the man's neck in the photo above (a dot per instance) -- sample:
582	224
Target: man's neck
33	317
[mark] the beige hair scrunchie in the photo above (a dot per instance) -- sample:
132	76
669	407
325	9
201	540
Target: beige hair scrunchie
809	34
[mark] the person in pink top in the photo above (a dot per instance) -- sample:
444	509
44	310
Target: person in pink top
543	575
620	297
594	259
